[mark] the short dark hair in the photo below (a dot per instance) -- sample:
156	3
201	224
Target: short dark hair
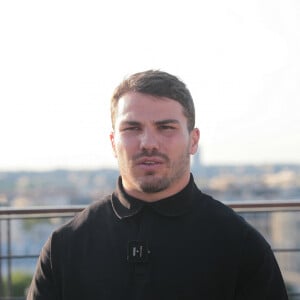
156	83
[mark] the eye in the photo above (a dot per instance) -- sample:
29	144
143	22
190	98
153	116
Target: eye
131	128
166	127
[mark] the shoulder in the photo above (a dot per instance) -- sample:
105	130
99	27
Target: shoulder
224	220
214	209
96	213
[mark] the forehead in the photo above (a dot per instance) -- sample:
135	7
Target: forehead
142	106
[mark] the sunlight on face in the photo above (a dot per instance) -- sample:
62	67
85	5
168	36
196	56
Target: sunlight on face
153	145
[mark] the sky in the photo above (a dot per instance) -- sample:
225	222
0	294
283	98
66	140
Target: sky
61	60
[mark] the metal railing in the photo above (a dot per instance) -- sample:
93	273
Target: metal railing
256	212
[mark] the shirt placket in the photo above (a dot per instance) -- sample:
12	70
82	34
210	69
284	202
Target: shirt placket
139	256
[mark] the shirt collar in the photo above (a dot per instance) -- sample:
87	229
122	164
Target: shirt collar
126	206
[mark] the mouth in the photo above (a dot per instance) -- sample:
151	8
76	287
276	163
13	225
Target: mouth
149	162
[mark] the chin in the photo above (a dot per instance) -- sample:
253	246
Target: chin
153	184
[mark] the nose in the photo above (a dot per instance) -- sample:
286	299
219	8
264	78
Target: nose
149	140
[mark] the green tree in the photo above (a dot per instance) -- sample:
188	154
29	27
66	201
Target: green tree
20	281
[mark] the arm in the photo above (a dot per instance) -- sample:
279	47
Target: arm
43	284
259	275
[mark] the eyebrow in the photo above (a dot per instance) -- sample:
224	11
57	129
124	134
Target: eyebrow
160	122
130	123
167	121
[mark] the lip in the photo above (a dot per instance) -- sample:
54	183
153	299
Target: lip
149	162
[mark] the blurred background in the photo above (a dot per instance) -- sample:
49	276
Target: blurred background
61	60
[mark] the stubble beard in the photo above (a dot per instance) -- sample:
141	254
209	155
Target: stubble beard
151	183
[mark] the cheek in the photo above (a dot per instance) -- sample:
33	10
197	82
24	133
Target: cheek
124	146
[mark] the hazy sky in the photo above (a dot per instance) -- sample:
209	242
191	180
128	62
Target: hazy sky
60	61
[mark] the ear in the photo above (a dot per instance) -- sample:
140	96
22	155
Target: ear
195	138
112	141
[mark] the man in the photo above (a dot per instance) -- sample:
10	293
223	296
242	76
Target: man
157	236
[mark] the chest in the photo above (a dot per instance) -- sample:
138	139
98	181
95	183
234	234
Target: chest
183	256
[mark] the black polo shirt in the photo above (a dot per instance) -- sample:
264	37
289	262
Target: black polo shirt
187	246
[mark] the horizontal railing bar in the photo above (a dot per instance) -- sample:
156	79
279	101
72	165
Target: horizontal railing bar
19	256
264	206
34	210
238	205
38	216
286	249
12	298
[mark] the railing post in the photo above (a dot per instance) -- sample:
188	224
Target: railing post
1	278
8	258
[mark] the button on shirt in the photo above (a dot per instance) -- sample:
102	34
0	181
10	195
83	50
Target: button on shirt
187	246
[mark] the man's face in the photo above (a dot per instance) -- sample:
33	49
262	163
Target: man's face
153	145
